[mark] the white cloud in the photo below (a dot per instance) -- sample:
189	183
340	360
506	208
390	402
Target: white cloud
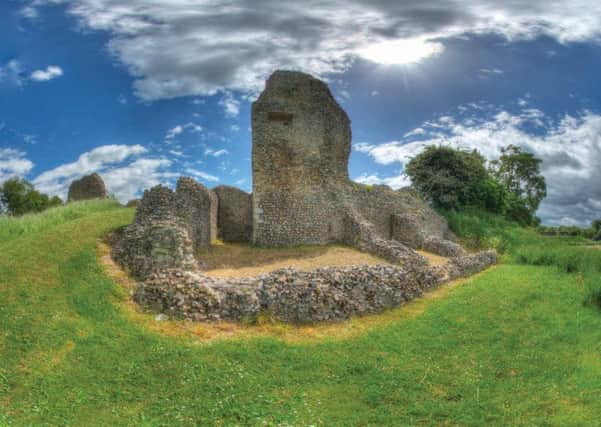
125	173
216	153
129	181
51	72
13	163
492	71
394	182
570	149
201	175
29	12
179	129
230	105
178	48
172	133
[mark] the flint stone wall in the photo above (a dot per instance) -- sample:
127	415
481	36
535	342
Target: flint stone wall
301	147
301	190
157	239
234	223
168	228
197	206
87	188
288	295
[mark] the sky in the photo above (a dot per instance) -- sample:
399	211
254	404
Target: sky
146	91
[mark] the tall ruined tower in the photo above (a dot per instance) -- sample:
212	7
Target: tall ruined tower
301	148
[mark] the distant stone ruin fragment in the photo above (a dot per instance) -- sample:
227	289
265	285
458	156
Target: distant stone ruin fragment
87	188
302	195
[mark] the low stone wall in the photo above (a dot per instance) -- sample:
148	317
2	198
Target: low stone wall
363	235
326	294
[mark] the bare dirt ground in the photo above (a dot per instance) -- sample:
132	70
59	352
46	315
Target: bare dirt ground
240	260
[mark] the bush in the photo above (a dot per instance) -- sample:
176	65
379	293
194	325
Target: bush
452	179
18	197
449	178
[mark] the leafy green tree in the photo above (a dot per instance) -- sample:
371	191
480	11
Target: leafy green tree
519	172
450	178
18	197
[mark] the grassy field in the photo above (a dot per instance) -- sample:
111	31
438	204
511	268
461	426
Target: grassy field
517	345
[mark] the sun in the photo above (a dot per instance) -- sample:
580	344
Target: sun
398	52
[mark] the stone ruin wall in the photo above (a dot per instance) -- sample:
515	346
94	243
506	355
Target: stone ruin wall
168	228
87	188
198	207
234	214
301	147
289	295
301	190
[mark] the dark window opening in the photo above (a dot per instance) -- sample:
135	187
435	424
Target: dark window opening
279	116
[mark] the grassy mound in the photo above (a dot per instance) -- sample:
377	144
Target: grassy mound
512	346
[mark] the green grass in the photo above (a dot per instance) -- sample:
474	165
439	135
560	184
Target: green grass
513	346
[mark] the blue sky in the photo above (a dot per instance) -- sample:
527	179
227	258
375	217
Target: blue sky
146	91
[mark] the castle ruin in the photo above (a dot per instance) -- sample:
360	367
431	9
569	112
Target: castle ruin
302	195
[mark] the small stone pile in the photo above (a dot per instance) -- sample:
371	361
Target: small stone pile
87	188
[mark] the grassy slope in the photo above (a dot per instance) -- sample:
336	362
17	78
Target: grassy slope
512	346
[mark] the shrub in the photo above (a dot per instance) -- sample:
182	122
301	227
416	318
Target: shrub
18	197
449	178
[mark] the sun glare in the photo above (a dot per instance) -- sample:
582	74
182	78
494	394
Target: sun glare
399	52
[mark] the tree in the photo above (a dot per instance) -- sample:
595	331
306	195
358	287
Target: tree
596	226
519	172
18	197
450	178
